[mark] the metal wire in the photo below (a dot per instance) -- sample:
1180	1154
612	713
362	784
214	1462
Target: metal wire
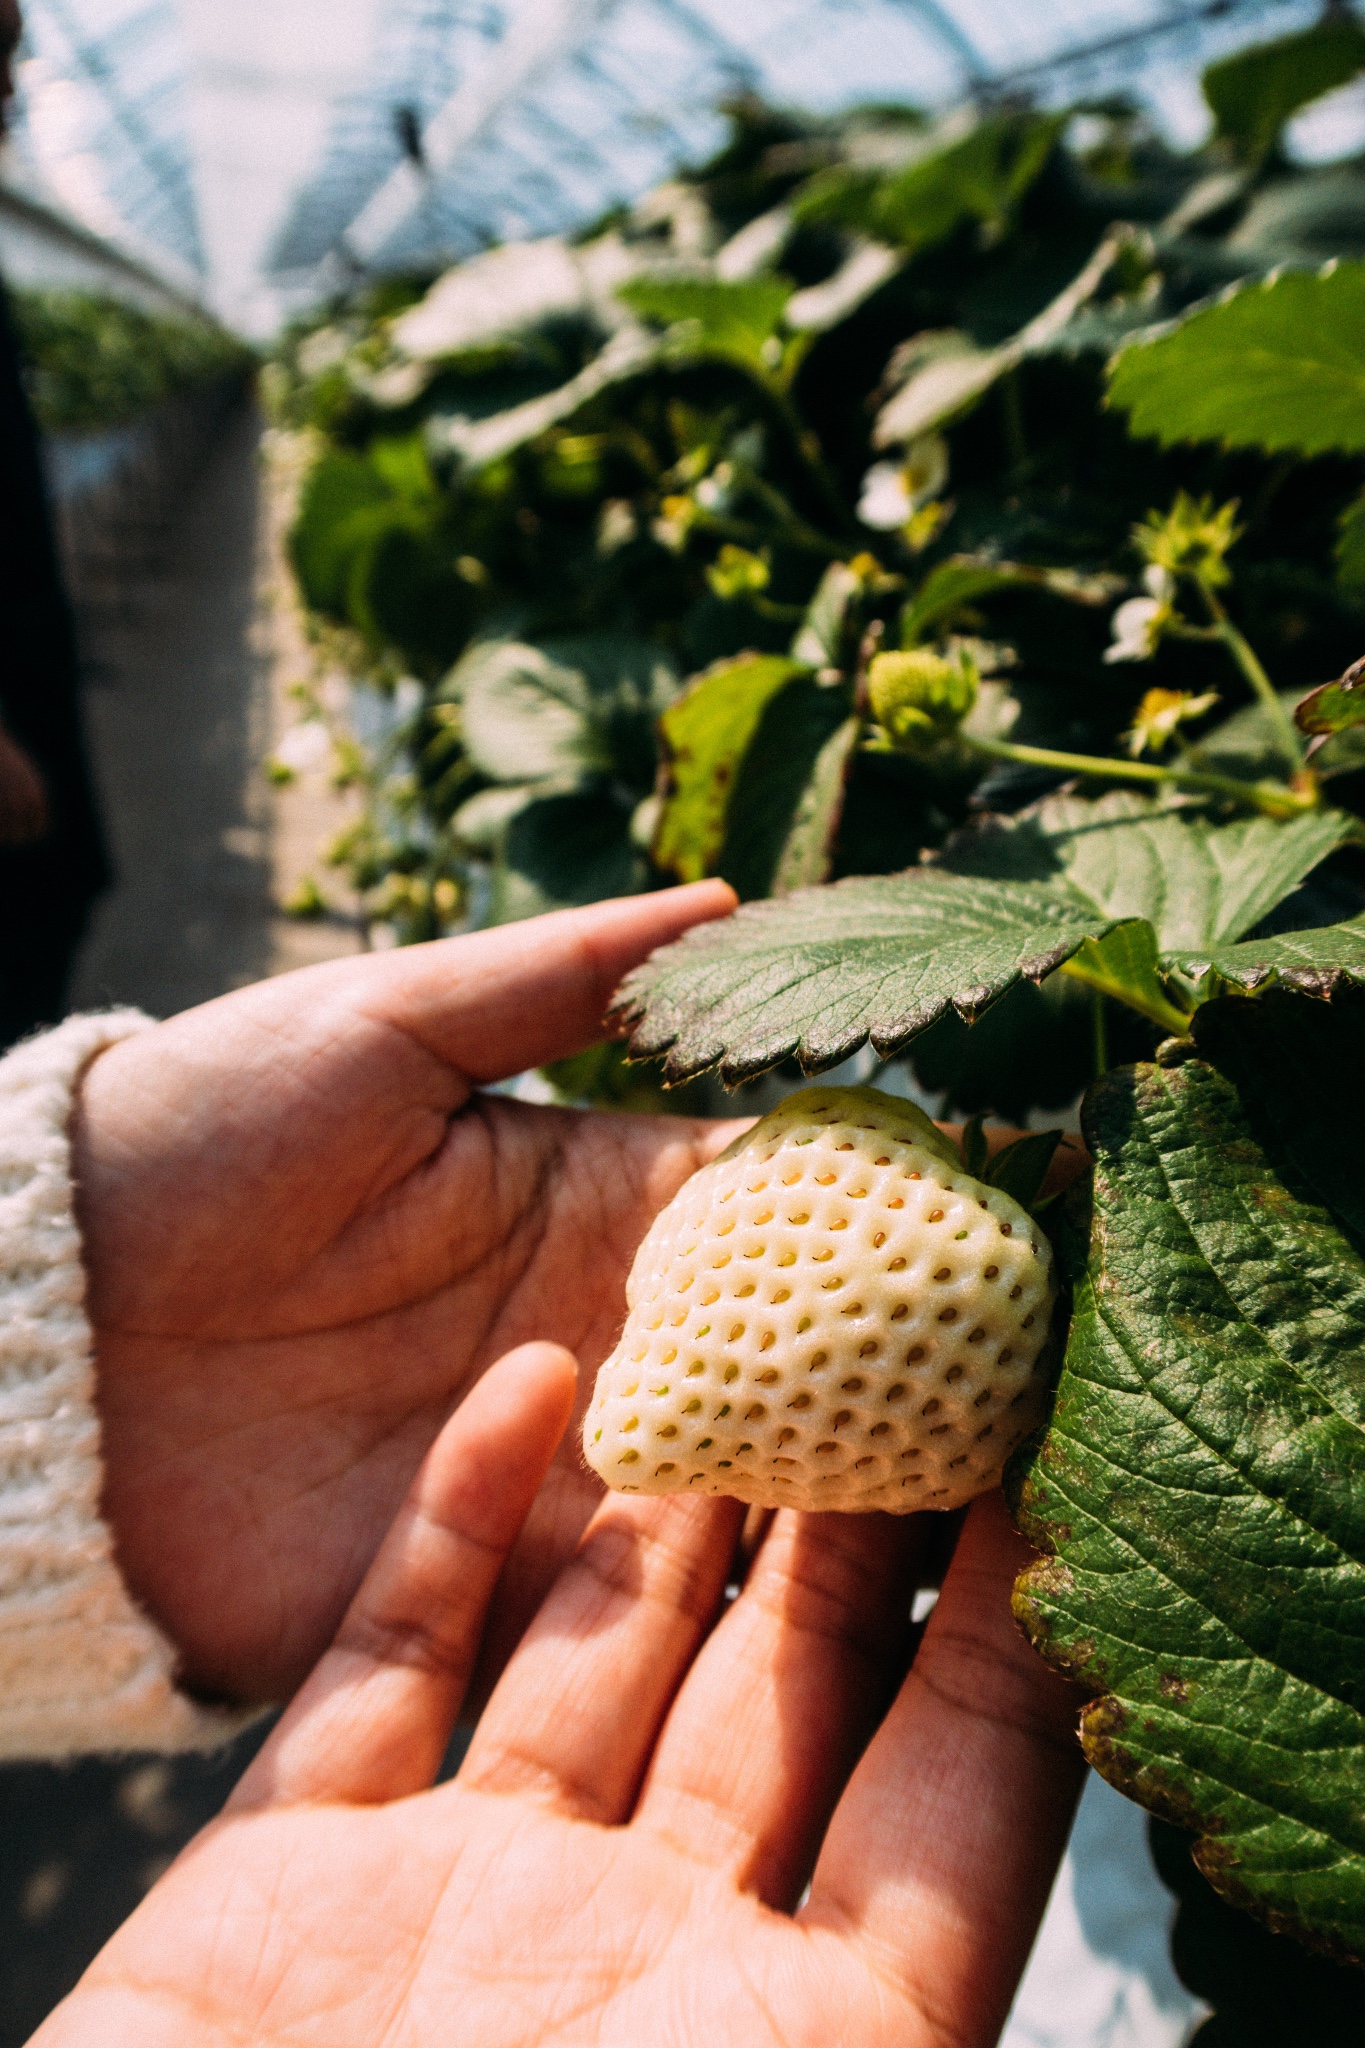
539	160
485	119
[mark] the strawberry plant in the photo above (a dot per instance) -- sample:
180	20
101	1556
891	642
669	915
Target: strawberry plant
92	363
838	393
1196	1489
953	535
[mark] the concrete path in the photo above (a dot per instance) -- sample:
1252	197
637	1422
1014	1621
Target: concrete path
191	662
193	644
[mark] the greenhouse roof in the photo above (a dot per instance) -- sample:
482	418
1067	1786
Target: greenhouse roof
271	152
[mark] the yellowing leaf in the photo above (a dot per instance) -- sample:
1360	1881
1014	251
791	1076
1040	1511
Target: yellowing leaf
705	736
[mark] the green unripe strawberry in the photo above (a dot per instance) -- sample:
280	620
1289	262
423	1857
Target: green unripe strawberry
918	696
830	1315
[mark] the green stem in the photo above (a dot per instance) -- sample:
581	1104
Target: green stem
1101	1031
1249	662
807	446
794	529
1152	1006
1275	799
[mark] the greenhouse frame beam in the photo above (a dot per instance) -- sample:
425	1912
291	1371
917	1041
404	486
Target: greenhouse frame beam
165	171
951	36
1176	19
540	36
543	34
720	46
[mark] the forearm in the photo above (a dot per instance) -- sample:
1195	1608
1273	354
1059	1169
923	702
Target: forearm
80	1668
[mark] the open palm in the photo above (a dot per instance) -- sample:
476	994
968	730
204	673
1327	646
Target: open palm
622	1855
307	1236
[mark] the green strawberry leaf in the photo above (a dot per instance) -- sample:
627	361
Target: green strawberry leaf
1254	92
582	705
559	851
880	958
1334	707
948	374
704	738
981	177
1196	882
1278	365
1249	745
788	792
344	502
477	440
820	972
973	1147
402	589
807	850
1021	1168
526	715
712	317
1318	961
1124	966
1200	1490
824	637
945	371
1298	223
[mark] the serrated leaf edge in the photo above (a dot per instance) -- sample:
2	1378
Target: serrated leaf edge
626	1013
1106	1713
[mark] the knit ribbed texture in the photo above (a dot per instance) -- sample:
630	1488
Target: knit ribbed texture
80	1668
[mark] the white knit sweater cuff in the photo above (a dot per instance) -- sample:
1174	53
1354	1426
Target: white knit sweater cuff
81	1668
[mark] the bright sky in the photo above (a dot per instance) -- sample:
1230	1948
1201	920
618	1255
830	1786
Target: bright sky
544	110
263	75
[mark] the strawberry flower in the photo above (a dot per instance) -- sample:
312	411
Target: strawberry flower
1137	627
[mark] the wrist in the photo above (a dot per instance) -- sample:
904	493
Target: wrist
80	1667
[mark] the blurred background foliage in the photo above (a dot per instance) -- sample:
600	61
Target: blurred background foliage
93	362
611	526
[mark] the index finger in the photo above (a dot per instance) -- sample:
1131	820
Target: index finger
374	1718
942	1851
493	1003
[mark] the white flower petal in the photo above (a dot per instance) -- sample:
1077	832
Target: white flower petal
886	502
1134	628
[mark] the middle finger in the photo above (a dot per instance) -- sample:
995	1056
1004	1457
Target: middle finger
575	1716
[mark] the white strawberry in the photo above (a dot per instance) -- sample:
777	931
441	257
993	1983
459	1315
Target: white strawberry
832	1314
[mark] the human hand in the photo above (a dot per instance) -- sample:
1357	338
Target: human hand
23	798
620	1858
306	1236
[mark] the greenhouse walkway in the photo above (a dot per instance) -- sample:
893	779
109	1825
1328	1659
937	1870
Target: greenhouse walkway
192	645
